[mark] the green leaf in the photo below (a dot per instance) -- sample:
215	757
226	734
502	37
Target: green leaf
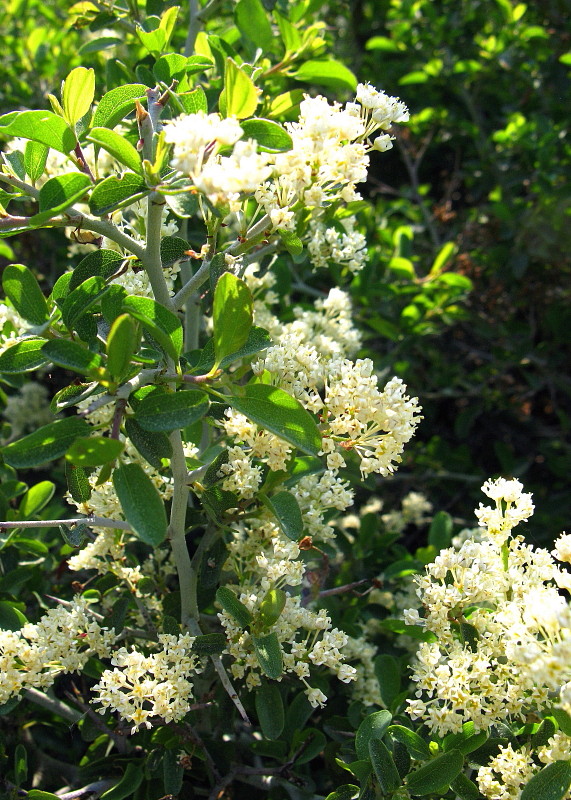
113	192
141	503
164	326
269	654
270	710
11	618
280	413
209	644
173	248
168	412
156	40
440	532
194	101
77	483
270	136
71	356
373	727
328	72
348	791
152	446
116	104
465	788
35	157
233	606
40	126
437	775
23	291
101	262
258	339
60	193
129	783
253	23
415	745
77	93
551	783
384	766
272	606
23	356
232	315
92	451
387	672
446	252
116	144
122	343
46	444
20	764
316	742
286	510
82	299
240	97
169	68
36	498
292	242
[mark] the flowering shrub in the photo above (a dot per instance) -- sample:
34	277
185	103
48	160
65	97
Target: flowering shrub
199	628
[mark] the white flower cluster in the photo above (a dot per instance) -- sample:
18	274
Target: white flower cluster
62	641
143	686
307	640
345	247
197	139
503	629
415	510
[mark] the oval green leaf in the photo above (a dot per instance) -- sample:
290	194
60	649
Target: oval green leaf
115	192
152	446
82	299
117	146
117	103
60	193
269	654
233	606
551	783
373	727
40	126
36	498
77	93
23	291
141	503
92	451
23	356
232	315
46	444
328	72
122	343
35	157
279	412
270	136
415	745
286	510
169	412
101	262
71	356
384	766
164	326
437	775
270	710
272	606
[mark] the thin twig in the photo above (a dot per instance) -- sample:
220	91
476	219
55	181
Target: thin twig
52	704
96	788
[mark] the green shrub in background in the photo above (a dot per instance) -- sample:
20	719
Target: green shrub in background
188	366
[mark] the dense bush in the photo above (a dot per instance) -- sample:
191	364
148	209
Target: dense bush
205	306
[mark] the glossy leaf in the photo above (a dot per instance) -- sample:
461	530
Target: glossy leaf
116	104
122	343
270	709
327	72
269	654
437	775
35	157
82	299
230	603
113	192
71	356
118	147
258	339
194	101
280	413
40	126
253	23
129	783
551	783
11	618
103	263
152	446
36	498
60	193
384	766
77	93
270	136
373	727
387	672
168	412
272	606
286	510
23	291
77	483
169	68
164	326
23	356
347	791
142	505
209	644
232	315
93	451
415	745
464	788
240	97
45	444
